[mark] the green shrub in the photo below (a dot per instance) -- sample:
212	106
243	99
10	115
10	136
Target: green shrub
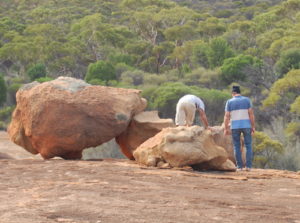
101	70
44	79
37	71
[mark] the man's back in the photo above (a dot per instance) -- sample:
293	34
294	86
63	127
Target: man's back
192	99
238	107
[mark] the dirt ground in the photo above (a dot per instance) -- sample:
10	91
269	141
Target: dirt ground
33	190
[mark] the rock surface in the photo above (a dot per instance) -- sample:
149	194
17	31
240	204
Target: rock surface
225	141
183	146
64	116
142	127
50	191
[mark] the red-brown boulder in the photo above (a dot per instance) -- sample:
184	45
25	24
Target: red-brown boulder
64	116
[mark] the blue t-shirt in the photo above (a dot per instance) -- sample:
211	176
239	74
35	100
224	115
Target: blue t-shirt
238	107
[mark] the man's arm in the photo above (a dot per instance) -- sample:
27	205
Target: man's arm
226	123
252	119
203	118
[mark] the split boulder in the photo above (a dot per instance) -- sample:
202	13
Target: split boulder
142	127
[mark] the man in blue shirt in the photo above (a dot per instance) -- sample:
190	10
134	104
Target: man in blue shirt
239	110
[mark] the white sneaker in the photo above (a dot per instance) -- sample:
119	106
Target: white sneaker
248	169
238	169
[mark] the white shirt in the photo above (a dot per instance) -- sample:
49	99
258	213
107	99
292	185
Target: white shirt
193	99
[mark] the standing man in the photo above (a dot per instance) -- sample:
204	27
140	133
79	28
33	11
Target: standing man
239	110
186	108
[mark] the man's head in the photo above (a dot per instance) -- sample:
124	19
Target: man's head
236	90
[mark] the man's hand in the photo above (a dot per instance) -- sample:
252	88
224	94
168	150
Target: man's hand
252	130
227	131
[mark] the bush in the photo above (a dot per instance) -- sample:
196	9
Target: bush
97	82
43	79
5	116
101	70
5	113
135	77
154	79
37	71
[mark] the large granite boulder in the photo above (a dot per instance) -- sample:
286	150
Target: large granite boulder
142	127
225	141
182	146
64	116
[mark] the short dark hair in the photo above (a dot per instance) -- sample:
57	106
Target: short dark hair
236	89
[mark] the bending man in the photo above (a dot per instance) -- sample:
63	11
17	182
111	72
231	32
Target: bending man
186	108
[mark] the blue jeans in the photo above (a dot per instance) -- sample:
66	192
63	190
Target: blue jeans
236	136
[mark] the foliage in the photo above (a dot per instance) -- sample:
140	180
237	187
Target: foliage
135	77
285	89
219	51
43	79
233	68
293	130
5	115
295	107
37	71
289	59
266	151
3	90
6	112
101	70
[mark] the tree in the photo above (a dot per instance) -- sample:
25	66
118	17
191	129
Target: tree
289	59
211	28
266	151
101	70
285	100
219	50
284	92
200	54
233	68
3	90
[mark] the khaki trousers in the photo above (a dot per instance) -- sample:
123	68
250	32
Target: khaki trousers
185	113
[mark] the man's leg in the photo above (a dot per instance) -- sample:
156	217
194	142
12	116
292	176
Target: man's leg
248	145
236	135
180	115
190	110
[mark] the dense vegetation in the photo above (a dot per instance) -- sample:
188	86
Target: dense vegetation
167	49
